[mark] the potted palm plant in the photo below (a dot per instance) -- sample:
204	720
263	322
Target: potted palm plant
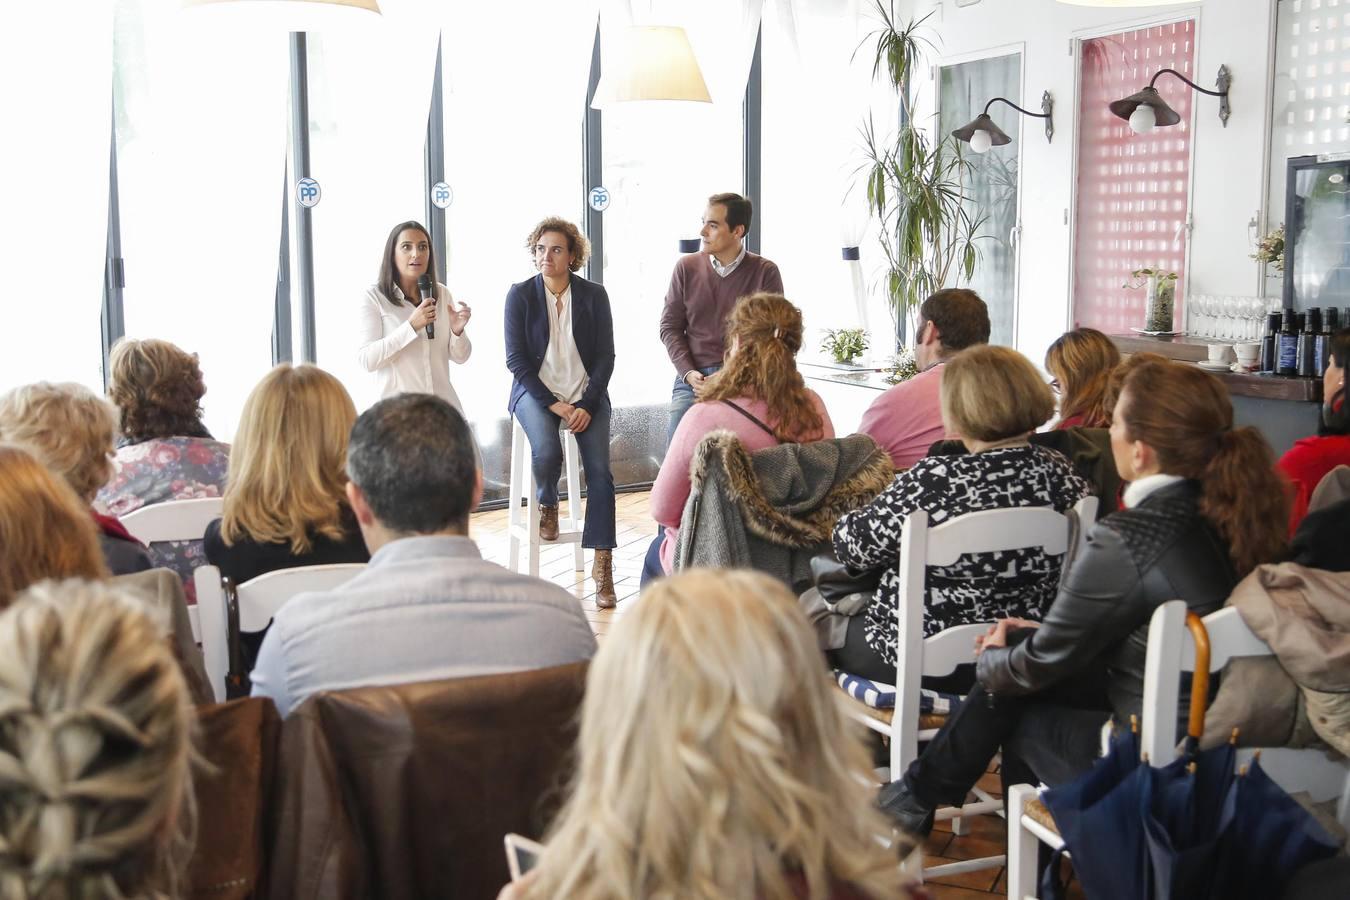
915	184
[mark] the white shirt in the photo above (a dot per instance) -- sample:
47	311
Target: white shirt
730	267
1138	490
562	371
401	357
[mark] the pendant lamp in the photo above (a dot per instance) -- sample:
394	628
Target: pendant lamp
657	62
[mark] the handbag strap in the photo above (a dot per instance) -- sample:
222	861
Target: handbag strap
746	413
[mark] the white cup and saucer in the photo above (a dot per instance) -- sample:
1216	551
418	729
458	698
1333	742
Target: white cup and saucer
1219	358
1248	356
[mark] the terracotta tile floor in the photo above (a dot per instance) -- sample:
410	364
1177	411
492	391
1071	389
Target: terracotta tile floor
635	532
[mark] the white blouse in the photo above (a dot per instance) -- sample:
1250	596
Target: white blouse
401	357
562	370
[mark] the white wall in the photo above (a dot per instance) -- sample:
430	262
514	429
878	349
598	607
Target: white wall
1228	187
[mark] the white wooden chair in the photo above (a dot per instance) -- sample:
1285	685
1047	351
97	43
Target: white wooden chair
523	527
922	547
259	600
175	520
1171	651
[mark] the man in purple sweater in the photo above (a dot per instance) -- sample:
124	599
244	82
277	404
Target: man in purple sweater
703	289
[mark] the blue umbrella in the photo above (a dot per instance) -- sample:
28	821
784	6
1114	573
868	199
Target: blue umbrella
1097	815
1191	829
1271	836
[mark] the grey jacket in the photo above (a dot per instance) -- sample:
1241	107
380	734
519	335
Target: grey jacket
774	509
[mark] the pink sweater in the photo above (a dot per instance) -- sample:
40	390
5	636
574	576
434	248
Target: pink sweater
907	419
671	489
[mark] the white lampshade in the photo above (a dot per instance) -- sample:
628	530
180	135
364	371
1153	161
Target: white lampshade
292	15
1143	119
1121	4
656	63
981	141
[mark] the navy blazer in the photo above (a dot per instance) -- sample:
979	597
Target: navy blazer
527	334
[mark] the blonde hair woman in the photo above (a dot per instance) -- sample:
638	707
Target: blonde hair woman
45	530
714	760
96	742
992	399
70	429
1081	362
285	500
758	395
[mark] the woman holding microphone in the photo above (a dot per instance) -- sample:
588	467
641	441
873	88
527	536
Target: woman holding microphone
560	348
410	327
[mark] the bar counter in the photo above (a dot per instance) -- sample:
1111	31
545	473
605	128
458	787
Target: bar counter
1283	408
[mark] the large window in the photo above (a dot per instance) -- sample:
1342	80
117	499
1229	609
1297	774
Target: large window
55	70
1311	93
201	142
814	106
513	155
1133	189
991	187
369	92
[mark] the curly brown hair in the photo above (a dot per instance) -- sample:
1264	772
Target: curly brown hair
1185	415
577	245
766	331
157	388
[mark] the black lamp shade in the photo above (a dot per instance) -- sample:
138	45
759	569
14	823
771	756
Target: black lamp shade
1163	114
982	123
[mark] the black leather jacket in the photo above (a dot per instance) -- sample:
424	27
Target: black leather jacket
1132	562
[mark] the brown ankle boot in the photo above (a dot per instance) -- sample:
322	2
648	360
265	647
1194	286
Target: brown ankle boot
548	523
602	570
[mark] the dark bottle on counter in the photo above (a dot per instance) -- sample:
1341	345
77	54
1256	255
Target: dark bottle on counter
1270	343
1322	340
1310	322
1286	362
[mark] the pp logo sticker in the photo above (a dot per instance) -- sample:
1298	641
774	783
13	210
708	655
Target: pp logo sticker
308	192
441	195
598	198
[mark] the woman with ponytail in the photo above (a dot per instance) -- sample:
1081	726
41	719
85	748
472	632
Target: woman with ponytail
758	395
1309	460
1204	507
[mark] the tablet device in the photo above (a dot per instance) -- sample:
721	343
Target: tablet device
522	855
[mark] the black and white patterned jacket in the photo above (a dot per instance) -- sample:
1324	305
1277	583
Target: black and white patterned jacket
979	587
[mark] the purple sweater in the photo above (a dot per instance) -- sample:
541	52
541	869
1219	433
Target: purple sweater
693	321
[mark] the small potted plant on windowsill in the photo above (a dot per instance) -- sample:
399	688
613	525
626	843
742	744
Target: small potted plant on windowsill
844	344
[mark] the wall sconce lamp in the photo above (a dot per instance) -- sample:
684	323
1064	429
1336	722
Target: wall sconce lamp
1147	108
982	133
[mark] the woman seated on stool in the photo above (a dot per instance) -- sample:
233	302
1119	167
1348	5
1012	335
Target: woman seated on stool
1081	362
560	350
992	399
713	761
758	395
71	429
1203	509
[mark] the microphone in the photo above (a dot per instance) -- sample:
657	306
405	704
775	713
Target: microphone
427	290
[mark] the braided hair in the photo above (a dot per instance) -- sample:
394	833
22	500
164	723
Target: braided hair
95	748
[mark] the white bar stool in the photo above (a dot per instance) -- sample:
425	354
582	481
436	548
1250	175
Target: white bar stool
523	527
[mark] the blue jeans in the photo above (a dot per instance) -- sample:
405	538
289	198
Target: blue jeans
546	461
681	398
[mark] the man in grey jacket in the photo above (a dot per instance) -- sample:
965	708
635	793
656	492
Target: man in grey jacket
428	606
